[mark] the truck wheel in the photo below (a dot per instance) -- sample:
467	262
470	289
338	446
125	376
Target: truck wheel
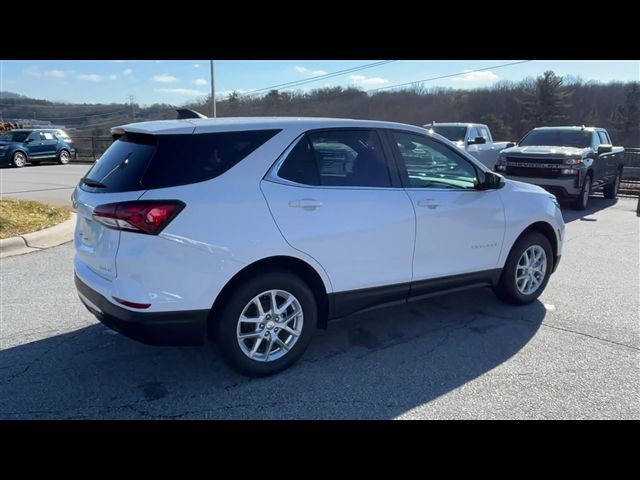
611	190
266	324
527	270
582	201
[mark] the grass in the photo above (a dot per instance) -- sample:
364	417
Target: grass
18	217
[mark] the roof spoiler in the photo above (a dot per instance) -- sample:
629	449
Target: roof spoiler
188	113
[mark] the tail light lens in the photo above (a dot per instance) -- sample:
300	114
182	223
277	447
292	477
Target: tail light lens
142	216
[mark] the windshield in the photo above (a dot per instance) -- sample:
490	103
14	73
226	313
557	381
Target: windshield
455	134
558	138
14	136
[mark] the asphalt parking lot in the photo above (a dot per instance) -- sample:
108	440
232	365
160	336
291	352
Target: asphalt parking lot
48	183
573	354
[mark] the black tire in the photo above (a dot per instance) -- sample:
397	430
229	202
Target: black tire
226	328
611	191
583	200
19	159
507	289
64	157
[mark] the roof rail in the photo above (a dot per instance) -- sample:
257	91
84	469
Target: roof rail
188	113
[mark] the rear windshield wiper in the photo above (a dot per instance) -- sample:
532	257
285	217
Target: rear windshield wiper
92	183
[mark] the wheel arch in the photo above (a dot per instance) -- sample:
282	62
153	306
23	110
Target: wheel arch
281	263
547	230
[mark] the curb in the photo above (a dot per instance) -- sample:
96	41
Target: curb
40	240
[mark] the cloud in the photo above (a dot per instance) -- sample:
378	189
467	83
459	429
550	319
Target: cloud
91	77
196	65
200	82
314	73
127	72
54	73
484	76
190	92
362	80
113	77
33	71
165	78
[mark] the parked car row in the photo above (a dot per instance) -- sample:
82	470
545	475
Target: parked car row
253	232
22	146
569	162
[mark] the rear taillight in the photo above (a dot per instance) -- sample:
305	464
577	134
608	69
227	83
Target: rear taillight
142	216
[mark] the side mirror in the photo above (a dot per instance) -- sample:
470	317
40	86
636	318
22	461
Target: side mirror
477	141
510	144
492	181
604	148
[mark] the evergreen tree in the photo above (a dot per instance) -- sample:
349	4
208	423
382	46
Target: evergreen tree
626	117
546	102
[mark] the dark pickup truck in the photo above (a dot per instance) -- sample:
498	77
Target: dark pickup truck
569	162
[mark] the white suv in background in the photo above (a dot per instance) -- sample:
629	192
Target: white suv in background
255	231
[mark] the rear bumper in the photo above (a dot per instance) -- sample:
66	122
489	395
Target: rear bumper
560	187
153	328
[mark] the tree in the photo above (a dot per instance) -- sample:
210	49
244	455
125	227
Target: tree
546	102
499	129
626	117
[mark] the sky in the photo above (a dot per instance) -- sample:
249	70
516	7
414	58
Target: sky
177	82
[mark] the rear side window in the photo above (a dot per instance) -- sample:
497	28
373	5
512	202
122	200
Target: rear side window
145	162
603	138
347	158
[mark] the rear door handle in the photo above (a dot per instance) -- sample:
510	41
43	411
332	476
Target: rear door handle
305	203
429	203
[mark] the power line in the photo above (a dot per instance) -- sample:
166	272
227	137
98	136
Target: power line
446	76
318	78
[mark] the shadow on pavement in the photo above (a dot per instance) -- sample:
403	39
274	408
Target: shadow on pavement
595	204
375	365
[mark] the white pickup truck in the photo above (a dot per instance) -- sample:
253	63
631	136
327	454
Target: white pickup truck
475	138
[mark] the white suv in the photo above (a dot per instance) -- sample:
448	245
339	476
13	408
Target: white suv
255	231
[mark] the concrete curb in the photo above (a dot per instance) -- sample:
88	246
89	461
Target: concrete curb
32	242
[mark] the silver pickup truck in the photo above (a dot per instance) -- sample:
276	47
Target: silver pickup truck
567	161
475	138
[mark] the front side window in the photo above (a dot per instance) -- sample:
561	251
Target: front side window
484	133
34	137
337	158
431	165
473	133
603	138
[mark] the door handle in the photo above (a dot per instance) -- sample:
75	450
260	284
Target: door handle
429	203
305	203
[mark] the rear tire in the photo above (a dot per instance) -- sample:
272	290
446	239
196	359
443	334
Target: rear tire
527	270
238	329
611	191
583	200
64	157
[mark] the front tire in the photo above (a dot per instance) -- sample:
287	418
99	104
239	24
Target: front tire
611	191
527	270
266	324
19	159
582	201
64	157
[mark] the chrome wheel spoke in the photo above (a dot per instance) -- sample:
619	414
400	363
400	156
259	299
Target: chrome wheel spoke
282	345
245	336
259	325
255	347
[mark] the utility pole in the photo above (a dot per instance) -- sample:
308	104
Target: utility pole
213	91
133	113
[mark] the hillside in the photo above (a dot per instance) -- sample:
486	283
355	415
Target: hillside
509	108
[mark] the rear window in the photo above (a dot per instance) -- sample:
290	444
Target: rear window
145	162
